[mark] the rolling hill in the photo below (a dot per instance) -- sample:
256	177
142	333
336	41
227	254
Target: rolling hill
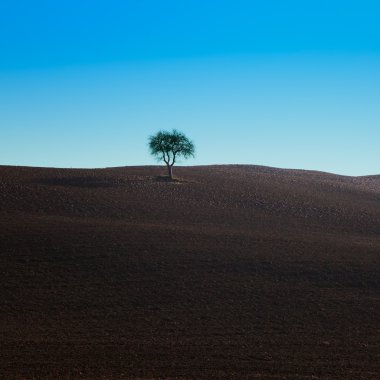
231	272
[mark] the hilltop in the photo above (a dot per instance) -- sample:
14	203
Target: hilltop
232	271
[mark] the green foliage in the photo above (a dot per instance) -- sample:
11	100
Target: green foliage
168	146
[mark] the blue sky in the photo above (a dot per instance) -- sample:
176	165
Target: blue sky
281	83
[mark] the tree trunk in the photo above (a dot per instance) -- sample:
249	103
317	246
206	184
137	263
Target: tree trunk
170	171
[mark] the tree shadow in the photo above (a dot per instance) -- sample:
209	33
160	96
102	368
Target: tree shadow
167	179
164	178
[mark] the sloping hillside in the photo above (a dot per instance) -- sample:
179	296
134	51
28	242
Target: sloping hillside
230	272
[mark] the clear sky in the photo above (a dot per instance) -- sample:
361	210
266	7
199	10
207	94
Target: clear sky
294	83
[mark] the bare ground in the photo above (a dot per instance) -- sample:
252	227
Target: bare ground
231	272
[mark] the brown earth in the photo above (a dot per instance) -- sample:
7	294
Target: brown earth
232	272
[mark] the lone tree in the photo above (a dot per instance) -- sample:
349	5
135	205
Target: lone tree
168	146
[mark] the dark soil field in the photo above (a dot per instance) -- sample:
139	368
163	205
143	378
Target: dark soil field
232	272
